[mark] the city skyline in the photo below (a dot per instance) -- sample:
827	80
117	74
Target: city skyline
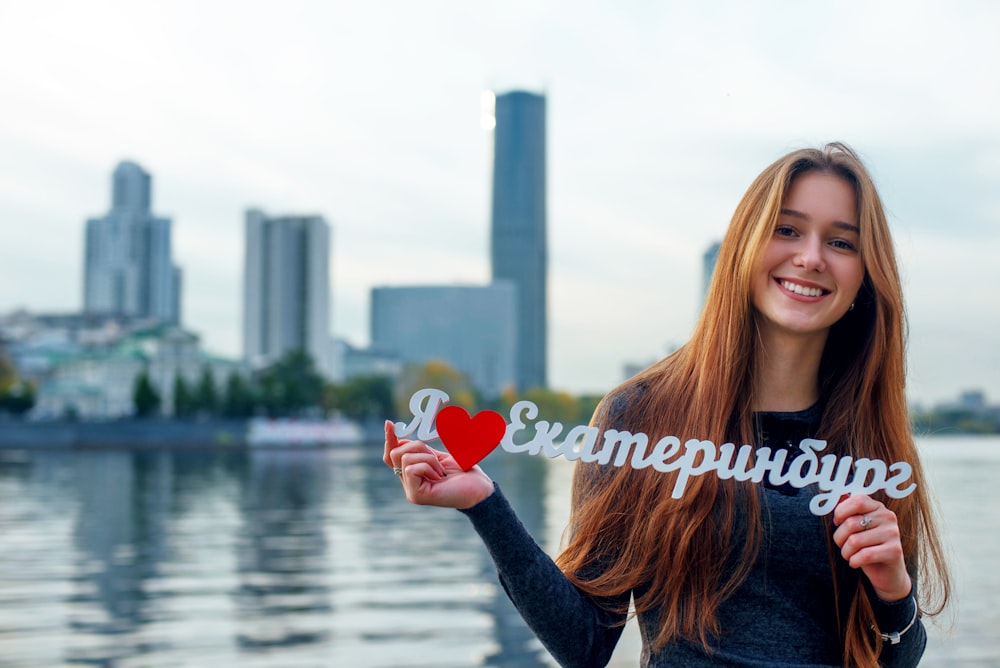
658	118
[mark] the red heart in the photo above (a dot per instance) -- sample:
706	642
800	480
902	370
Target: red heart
469	440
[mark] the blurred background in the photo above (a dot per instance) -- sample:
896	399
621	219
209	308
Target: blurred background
229	228
658	116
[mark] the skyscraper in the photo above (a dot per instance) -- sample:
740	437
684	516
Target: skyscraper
128	263
518	215
708	260
286	289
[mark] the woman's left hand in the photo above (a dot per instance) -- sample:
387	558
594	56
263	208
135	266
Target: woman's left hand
868	537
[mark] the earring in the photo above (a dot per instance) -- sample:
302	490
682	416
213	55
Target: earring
851	307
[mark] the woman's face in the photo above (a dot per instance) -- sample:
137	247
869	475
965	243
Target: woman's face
811	269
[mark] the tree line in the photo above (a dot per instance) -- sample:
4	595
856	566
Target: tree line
944	420
293	388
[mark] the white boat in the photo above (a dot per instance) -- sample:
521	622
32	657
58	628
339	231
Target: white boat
285	432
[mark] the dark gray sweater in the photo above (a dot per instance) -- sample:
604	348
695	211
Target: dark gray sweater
783	614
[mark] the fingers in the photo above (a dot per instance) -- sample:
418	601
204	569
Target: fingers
877	543
418	472
868	537
401	454
861	522
856	504
407	452
390	441
423	464
424	473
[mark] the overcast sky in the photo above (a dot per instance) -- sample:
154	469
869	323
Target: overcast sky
368	113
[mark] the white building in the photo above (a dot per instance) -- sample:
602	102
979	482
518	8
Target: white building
128	263
352	362
286	289
91	385
97	381
472	328
39	341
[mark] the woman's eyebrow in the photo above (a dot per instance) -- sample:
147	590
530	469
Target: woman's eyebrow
837	223
847	226
794	214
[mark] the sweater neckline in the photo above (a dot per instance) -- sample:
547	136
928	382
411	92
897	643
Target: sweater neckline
807	414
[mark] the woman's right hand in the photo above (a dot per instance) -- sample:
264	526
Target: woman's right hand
431	477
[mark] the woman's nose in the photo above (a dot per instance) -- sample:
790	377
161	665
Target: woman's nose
810	255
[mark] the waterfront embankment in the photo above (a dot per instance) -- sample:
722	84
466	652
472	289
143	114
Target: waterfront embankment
123	433
173	433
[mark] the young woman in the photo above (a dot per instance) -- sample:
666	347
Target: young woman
802	336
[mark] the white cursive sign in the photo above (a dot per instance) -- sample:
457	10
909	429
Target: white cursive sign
834	476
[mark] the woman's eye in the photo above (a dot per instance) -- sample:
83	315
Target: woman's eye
784	231
843	245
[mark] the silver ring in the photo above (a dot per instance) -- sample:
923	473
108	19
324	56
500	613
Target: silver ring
866	522
398	471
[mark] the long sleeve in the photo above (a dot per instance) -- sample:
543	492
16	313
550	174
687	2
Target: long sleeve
895	617
572	626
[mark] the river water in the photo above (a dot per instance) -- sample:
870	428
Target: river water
127	558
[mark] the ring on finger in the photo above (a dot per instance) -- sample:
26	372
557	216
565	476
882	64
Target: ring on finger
866	522
398	470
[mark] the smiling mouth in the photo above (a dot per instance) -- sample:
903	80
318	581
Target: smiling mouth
801	289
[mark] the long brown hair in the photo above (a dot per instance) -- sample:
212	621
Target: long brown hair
627	533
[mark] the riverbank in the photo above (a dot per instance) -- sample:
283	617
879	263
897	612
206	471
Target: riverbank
124	433
171	433
163	433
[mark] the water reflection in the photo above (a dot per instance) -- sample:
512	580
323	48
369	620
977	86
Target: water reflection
283	598
122	558
309	557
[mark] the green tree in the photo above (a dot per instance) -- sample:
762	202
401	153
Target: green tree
8	374
588	405
184	402
237	399
145	397
437	374
17	398
332	399
206	395
365	397
945	420
554	406
291	386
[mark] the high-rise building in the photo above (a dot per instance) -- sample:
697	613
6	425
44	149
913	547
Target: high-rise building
286	289
128	263
518	221
708	261
472	328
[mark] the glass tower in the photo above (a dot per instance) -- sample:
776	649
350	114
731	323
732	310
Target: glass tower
518	212
286	288
128	261
471	327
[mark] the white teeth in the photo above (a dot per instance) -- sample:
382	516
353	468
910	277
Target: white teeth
801	289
